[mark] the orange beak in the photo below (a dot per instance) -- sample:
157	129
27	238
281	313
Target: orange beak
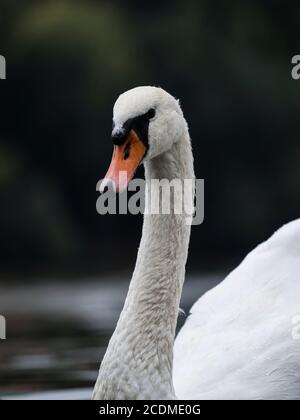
125	161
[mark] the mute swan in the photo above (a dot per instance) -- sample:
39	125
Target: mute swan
237	342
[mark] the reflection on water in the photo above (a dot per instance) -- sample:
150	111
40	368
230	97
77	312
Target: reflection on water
57	333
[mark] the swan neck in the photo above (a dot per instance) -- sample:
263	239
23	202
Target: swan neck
139	360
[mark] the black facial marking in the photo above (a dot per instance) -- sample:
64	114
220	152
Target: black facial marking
151	113
119	136
139	124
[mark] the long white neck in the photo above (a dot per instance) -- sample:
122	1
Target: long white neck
139	359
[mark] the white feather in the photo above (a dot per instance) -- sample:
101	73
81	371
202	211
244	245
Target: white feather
237	342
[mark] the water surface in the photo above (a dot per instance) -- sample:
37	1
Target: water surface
57	333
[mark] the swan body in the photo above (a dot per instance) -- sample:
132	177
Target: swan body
237	342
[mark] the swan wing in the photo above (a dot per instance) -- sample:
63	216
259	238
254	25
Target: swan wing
242	339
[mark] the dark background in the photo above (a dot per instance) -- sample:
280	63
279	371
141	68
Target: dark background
67	61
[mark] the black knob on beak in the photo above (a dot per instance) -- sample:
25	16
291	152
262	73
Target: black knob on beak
118	136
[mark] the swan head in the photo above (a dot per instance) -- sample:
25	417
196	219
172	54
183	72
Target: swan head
147	121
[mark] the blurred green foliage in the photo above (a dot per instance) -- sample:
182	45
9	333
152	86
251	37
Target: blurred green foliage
67	61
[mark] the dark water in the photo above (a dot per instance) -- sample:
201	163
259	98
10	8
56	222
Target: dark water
57	332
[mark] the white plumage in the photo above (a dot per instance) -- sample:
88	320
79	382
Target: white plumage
238	341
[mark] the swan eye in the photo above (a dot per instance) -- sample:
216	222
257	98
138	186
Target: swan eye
140	124
151	114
